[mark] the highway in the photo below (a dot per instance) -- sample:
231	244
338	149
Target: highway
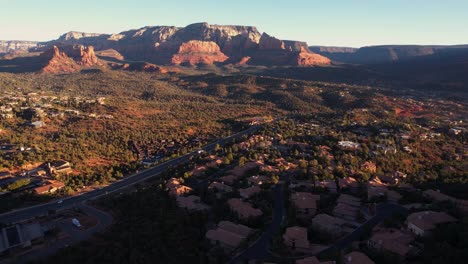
43	209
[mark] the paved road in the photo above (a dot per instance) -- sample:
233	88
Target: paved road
39	210
259	249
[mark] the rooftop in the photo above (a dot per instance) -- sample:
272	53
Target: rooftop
428	220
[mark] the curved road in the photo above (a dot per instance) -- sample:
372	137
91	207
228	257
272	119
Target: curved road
43	209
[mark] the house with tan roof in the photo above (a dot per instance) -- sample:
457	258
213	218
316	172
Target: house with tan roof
243	209
357	257
369	166
228	235
296	237
421	223
50	187
305	203
175	188
391	240
249	192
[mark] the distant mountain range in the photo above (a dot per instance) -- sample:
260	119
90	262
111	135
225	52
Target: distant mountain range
199	43
158	48
388	53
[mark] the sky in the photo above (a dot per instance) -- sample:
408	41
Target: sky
351	23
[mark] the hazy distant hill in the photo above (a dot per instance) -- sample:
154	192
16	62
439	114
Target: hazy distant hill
388	53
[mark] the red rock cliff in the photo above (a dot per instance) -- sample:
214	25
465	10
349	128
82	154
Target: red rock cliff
196	52
58	62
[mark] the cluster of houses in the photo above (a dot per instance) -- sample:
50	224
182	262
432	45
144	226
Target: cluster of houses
39	106
39	180
350	206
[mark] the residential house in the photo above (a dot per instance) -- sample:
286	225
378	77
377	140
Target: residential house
330	185
441	197
328	224
382	191
59	166
191	203
347	207
357	257
20	236
296	237
50	187
258	180
36	124
228	235
305	204
229	179
243	209
349	144
421	223
175	188
220	187
391	240
249	192
349	183
369	166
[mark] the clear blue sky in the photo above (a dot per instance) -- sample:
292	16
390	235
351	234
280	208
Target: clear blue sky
326	22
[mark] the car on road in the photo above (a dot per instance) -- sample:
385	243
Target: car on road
60	201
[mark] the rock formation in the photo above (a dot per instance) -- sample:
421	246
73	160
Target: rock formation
307	58
198	52
193	44
56	61
70	59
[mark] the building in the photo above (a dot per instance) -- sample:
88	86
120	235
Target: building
296	237
229	179
20	236
243	209
175	188
50	187
249	192
441	197
191	203
330	185
391	240
349	183
36	124
228	235
347	207
369	166
220	187
421	223
258	180
327	224
59	166
357	257
305	204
